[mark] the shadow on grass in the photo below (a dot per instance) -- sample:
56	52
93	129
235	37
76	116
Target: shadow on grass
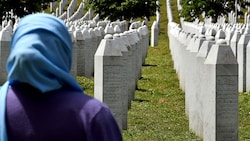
141	90
141	100
143	78
149	65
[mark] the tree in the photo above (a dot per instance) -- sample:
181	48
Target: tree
22	7
123	9
192	9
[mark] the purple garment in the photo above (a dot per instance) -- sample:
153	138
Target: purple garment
60	115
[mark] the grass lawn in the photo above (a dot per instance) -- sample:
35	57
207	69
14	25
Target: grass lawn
158	112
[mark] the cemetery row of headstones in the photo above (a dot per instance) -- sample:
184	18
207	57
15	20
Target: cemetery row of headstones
72	13
209	73
237	36
111	52
118	62
118	59
115	60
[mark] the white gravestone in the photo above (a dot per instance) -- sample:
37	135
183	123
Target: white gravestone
175	50
196	108
94	46
87	53
5	38
154	34
179	49
107	80
182	60
53	5
125	81
143	33
133	82
117	29
229	35
248	67
187	65
71	8
102	31
80	52
130	77
98	35
234	42
241	57
73	70
221	94
78	14
191	78
62	4
136	37
210	32
109	30
220	34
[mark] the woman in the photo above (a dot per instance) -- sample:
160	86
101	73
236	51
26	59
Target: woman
41	101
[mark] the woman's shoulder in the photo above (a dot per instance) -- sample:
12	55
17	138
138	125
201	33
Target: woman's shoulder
84	100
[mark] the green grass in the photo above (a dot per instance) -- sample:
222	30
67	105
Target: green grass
158	112
175	11
244	116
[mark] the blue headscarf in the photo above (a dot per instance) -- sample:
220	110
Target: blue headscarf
41	55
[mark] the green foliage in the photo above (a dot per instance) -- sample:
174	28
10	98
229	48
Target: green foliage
192	9
123	9
22	7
